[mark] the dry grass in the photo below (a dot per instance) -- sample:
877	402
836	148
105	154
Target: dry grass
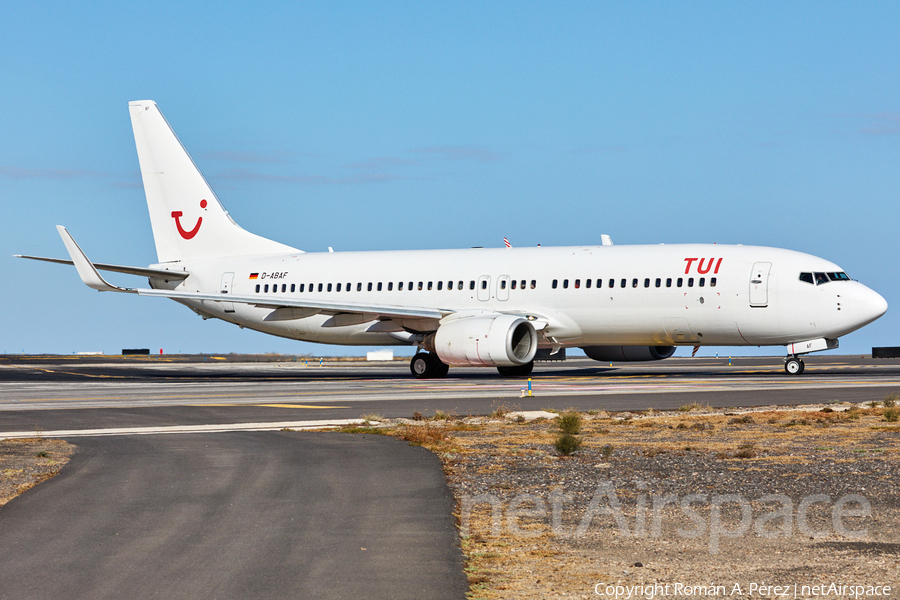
544	566
25	463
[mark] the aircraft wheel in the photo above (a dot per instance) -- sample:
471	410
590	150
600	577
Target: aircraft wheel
519	371
421	366
425	365
793	366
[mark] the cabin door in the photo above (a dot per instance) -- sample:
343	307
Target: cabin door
759	285
225	288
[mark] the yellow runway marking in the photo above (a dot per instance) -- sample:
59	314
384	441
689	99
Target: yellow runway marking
298	406
152	397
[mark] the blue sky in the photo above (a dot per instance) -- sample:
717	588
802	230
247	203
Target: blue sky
396	125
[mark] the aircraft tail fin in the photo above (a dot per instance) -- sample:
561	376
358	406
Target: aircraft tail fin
187	218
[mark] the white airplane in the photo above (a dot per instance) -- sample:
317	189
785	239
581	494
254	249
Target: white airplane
483	307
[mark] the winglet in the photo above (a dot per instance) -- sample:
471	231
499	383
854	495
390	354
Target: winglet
86	270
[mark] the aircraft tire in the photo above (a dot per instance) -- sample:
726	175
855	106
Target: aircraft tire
794	366
425	365
519	371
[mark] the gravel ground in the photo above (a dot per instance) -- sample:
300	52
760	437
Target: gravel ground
25	463
771	498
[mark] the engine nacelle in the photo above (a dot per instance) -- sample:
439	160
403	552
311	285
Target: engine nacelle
487	340
628	353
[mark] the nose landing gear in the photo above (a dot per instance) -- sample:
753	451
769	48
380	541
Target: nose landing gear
793	365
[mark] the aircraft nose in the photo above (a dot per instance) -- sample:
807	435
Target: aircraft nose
871	305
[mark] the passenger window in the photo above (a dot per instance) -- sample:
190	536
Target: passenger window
634	283
533	284
679	282
821	278
668	282
484	284
565	284
420	286
523	284
410	288
338	287
587	283
349	286
472	284
311	287
266	289
658	282
502	284
624	283
257	288
399	286
459	286
320	287
612	283
302	286
690	282
577	284
449	285
369	287
554	284
390	286
429	286
512	284
379	286
647	282
599	283
807	277
712	282
293	288
359	286
702	281
274	288
329	287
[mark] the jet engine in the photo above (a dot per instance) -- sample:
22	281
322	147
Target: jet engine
628	353
486	340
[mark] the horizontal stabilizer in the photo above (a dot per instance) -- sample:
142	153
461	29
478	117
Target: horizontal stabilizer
142	271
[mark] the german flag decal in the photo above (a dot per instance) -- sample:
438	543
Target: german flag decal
254	275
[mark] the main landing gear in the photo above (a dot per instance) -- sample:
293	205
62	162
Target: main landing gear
793	365
425	365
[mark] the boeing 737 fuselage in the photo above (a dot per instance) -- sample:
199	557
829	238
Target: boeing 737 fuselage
485	307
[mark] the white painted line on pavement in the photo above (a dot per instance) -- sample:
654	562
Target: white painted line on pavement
169	429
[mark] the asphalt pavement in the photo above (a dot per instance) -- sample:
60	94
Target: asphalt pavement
236	515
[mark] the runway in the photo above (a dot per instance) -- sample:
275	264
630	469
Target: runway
68	394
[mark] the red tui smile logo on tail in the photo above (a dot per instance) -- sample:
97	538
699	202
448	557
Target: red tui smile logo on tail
176	214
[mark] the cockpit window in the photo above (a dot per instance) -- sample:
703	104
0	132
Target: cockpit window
807	277
821	278
838	276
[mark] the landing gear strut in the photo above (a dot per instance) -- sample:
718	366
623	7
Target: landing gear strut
425	365
793	365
